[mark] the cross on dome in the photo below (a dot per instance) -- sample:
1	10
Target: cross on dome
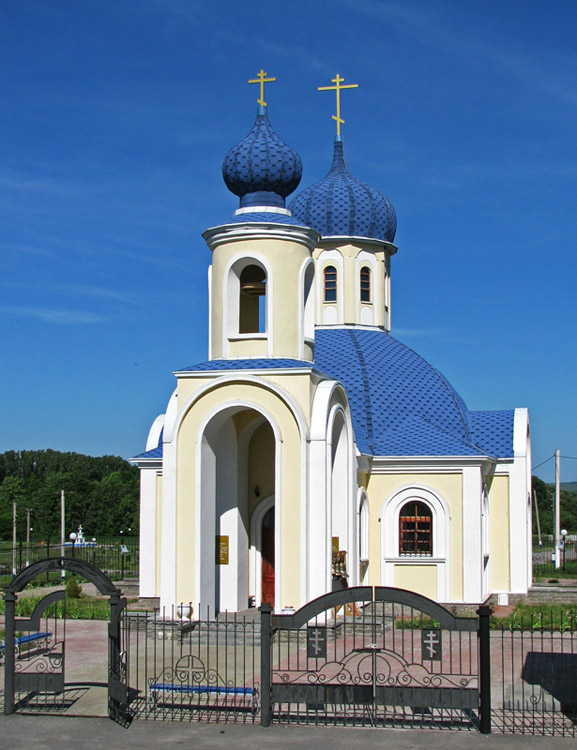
338	88
262	79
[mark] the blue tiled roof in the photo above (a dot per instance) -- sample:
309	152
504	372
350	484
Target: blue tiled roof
493	430
341	205
247	364
262	169
265	217
400	404
153	453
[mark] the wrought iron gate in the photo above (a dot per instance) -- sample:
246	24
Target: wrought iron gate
34	674
369	656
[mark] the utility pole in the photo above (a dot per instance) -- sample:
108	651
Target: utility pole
13	540
557	513
62	548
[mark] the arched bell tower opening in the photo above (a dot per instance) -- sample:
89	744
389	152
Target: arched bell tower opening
252	299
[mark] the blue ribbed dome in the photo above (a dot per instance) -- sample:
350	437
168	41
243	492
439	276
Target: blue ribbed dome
262	170
341	205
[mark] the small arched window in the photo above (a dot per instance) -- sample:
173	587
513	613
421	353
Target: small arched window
330	280
415	529
252	303
365	284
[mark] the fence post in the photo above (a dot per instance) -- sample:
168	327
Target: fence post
265	665
484	642
9	663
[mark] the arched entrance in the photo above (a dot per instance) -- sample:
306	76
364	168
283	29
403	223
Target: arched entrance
238	469
46	675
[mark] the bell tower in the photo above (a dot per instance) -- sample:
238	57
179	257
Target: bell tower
262	273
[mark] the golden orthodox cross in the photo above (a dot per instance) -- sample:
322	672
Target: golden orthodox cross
262	79
338	88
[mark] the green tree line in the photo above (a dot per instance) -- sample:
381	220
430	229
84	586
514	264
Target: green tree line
102	494
545	500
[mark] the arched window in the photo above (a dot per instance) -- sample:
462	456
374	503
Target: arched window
252	303
415	529
330	279
365	284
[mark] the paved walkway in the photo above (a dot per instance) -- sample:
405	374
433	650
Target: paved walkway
40	732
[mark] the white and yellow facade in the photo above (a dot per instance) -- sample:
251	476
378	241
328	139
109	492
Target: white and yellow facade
291	460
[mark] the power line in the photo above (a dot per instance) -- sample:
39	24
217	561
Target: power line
543	462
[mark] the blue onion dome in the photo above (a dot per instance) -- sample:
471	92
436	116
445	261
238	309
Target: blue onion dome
262	170
341	205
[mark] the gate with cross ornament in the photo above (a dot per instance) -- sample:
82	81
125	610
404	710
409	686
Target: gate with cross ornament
375	656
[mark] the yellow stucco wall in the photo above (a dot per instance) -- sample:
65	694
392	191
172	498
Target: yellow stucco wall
499	533
419	578
290	482
450	487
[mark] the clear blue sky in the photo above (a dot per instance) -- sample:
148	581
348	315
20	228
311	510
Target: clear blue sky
115	119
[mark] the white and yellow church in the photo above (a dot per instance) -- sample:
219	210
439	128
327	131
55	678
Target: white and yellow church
313	450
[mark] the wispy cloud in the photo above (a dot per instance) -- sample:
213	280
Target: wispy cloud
428	333
53	315
432	29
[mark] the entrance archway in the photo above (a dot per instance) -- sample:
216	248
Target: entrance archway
51	680
239	453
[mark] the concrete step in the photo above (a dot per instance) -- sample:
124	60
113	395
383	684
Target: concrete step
549	593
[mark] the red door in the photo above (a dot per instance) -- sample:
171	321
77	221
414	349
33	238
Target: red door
268	558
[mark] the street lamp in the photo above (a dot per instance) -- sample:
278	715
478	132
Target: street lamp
72	538
562	544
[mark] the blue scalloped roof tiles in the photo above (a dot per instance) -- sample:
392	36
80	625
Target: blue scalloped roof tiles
493	430
342	205
153	453
400	404
262	163
265	217
248	364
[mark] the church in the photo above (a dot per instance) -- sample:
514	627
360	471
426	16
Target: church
313	450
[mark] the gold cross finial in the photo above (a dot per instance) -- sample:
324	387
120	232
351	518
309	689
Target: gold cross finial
262	79
338	88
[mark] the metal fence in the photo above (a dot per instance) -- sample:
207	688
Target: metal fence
375	668
118	558
202	670
534	674
543	557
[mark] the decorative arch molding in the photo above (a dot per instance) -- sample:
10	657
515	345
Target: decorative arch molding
172	430
390	554
168	576
307	305
256	545
330	313
364	522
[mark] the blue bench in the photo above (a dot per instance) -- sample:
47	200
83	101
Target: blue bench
40	640
159	688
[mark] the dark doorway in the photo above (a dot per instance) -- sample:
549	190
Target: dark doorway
268	558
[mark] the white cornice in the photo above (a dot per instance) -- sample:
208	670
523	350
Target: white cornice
242	372
262	210
328	241
390	464
260	230
147	463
